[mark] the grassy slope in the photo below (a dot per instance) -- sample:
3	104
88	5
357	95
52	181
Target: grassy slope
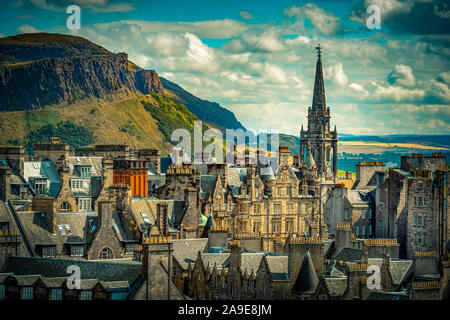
104	119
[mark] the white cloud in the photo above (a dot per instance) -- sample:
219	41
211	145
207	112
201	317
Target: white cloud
402	75
398	94
325	21
198	58
267	42
217	29
26	28
336	74
298	40
166	44
444	77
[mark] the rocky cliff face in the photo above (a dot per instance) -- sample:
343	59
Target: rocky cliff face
44	69
32	85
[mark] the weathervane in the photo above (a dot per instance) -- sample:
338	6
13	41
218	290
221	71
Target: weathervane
318	50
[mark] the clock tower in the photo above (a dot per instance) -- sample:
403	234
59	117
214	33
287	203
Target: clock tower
318	138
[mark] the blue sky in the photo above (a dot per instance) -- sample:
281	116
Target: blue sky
257	58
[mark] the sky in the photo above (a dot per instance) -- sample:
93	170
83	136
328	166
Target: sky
257	58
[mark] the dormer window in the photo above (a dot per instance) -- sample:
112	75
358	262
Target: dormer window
4	226
48	251
65	207
40	186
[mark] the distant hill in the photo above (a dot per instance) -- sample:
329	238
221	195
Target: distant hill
441	141
51	78
211	112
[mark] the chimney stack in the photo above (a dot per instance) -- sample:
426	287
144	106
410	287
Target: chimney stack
5	183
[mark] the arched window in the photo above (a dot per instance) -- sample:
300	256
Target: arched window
65	207
106	254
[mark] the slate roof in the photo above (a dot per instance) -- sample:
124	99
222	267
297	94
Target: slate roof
234	177
348	254
267	173
309	161
207	185
400	270
37	231
336	273
186	250
89	269
45	170
307	280
356	197
27	280
165	163
336	285
279	267
175	209
330	250
251	261
403	172
94	162
219	259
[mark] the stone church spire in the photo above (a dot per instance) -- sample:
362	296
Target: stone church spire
318	137
319	87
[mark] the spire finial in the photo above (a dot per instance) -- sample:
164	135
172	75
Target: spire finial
318	48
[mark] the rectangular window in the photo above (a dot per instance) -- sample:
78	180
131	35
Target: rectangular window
86	295
381	206
256	192
420	201
279	191
49	251
256	227
275	226
346	214
288	191
4	226
61	230
257	208
69	231
145	217
27	293
276	208
363	213
369	213
369	229
2	291
290	208
418	238
77	251
56	294
357	230
419	220
40	187
129	248
289	226
363	230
